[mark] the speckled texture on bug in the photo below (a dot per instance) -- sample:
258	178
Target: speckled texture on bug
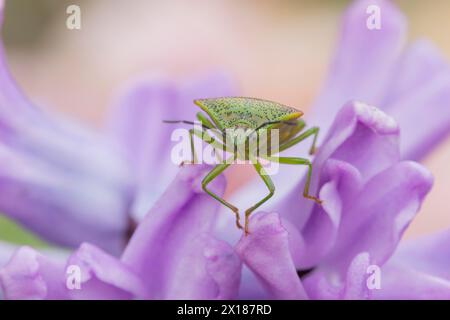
246	112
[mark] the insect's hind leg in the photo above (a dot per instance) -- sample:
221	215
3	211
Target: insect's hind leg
214	173
314	131
300	161
262	173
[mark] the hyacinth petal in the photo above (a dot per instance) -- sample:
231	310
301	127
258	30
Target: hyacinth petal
103	276
266	251
362	136
341	182
56	172
89	273
378	215
170	242
419	99
427	254
137	123
323	284
418	270
31	275
363	61
208	269
401	281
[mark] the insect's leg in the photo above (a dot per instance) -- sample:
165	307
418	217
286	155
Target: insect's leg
202	134
191	139
262	173
314	131
205	121
301	161
215	172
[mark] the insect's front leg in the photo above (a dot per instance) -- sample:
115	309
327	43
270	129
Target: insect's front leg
202	134
214	173
269	183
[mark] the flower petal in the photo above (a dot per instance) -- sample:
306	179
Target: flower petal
41	195
30	275
427	254
326	285
419	99
170	250
137	123
103	276
376	218
362	136
55	172
341	182
266	251
363	61
402	281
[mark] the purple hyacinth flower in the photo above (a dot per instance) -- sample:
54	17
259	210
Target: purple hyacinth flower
370	195
298	250
172	255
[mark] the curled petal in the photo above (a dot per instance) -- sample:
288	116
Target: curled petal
362	136
341	183
266	251
376	218
364	59
168	243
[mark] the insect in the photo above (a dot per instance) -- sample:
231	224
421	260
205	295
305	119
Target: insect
241	114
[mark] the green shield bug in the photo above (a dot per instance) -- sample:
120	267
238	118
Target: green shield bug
251	116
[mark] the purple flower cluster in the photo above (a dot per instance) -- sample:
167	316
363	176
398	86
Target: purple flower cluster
80	189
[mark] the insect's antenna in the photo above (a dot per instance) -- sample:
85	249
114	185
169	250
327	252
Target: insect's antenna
185	122
179	121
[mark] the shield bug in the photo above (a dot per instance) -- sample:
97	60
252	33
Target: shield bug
250	117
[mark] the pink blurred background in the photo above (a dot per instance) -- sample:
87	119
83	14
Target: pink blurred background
278	50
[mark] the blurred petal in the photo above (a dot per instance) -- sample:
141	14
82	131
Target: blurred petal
363	61
59	179
419	99
419	269
400	281
6	252
137	123
171	249
30	275
266	251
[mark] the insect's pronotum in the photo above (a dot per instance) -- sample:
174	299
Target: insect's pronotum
254	115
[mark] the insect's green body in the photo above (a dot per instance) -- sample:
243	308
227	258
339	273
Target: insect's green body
251	115
247	112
